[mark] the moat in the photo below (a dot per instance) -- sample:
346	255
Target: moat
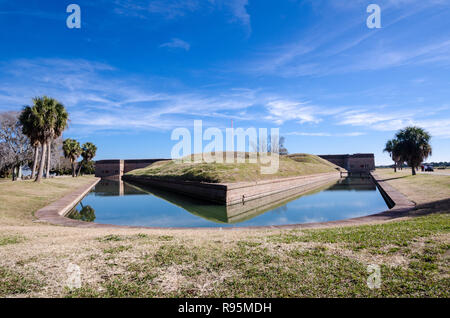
122	203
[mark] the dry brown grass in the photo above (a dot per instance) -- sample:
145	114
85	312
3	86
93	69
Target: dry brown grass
421	188
20	199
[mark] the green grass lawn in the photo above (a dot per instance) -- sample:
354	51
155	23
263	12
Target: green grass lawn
289	166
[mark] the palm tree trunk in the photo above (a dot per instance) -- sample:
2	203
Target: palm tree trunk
35	161
413	171
49	158
14	173
41	163
79	168
73	169
395	167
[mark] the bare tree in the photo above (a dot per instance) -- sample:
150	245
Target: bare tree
15	149
282	149
277	147
56	153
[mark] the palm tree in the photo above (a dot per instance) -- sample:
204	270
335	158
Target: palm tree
72	150
42	123
413	146
59	120
393	149
88	152
30	130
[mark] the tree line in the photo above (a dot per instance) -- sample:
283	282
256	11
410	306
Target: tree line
27	137
411	145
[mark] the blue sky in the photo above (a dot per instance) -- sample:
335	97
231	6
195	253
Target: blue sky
138	69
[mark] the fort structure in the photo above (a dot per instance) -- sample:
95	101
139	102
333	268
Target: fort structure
115	168
359	162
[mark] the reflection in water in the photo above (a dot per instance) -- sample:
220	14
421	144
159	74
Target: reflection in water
118	202
355	184
87	213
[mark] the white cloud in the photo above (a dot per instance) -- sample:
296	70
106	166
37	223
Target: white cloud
281	111
98	99
324	134
177	43
393	121
239	11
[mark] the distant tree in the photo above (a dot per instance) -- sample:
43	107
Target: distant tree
88	153
88	168
282	149
392	148
413	146
56	153
72	151
15	148
273	147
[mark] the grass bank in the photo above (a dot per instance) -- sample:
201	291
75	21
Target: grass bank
413	256
421	188
289	166
19	200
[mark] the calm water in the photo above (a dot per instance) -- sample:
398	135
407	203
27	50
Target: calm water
121	203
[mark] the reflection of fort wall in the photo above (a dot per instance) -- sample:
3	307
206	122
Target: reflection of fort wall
355	183
233	193
114	187
243	211
234	213
221	213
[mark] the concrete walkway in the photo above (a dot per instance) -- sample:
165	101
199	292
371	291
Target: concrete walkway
436	172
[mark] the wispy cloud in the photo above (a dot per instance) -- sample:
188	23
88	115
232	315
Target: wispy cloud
324	134
172	9
284	110
392	121
347	46
98	99
177	43
238	9
169	9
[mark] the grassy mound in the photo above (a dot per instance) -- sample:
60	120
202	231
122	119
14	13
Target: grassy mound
289	166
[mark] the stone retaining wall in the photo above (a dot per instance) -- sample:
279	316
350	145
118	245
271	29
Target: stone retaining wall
394	198
232	193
